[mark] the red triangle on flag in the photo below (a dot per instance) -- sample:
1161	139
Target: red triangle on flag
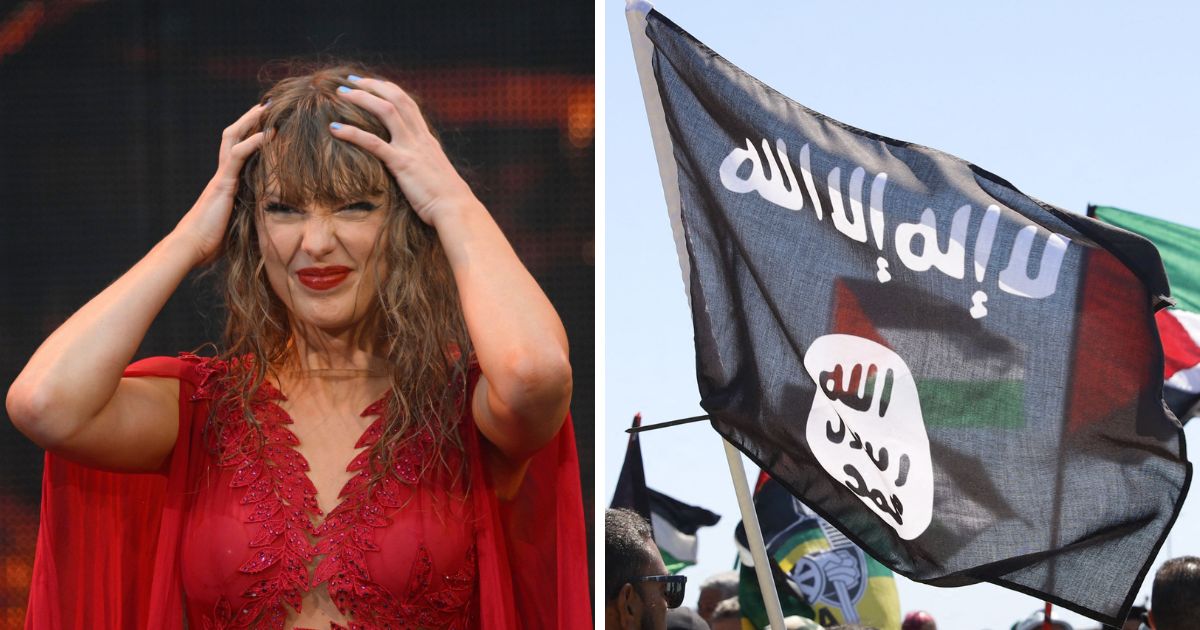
1180	350
848	315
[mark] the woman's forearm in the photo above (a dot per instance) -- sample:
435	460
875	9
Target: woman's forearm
518	337
75	372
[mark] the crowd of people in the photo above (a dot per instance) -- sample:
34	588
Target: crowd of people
638	598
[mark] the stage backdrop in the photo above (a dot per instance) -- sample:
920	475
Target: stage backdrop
112	114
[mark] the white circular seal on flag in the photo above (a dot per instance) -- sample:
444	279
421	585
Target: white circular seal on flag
866	429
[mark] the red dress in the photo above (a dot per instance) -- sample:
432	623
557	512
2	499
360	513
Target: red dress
230	540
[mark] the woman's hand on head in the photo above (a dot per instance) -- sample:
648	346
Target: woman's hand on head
203	227
414	156
522	397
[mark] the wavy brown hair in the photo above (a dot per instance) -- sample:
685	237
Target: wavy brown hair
416	317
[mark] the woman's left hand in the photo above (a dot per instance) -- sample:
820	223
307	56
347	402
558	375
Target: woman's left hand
521	400
414	156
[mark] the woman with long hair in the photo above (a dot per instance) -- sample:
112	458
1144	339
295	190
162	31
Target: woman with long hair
379	443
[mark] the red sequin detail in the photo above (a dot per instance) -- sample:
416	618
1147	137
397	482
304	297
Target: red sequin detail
348	532
284	505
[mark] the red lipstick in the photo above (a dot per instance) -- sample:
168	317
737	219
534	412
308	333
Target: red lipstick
322	278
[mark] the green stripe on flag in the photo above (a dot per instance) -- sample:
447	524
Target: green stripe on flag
674	565
876	570
798	545
1177	244
958	404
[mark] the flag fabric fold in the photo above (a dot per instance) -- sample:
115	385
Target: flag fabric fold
1177	245
1179	327
962	379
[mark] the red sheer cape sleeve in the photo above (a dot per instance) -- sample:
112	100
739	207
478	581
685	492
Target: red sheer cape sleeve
106	548
533	570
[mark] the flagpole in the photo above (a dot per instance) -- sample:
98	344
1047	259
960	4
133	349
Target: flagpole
758	549
668	170
643	51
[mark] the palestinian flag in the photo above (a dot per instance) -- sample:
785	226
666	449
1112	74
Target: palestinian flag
819	573
674	522
1180	333
1179	327
965	381
1179	246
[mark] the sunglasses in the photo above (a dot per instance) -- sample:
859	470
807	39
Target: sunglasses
673	589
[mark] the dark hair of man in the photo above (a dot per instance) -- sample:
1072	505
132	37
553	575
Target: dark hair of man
627	540
1175	601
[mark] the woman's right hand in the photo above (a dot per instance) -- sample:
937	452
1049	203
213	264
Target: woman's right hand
71	398
203	227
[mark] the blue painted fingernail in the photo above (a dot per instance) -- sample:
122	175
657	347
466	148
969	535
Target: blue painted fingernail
267	103
353	78
335	125
343	89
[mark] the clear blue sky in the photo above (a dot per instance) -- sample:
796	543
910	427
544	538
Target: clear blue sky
1071	102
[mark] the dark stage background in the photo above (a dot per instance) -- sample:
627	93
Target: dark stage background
111	118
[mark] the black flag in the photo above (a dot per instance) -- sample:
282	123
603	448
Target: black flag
964	380
673	522
631	489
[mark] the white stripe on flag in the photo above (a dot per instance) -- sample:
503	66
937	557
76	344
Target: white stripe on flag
680	545
1189	320
1188	379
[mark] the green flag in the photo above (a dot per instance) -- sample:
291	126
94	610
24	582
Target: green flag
1177	244
819	573
1179	327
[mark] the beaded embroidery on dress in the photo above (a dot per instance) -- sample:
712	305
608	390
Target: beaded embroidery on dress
291	547
147	539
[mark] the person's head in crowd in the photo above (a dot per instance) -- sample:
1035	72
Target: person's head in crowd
727	615
684	618
637	589
715	589
1175	600
918	620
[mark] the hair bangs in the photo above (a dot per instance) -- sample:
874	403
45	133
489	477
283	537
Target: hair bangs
301	161
420	316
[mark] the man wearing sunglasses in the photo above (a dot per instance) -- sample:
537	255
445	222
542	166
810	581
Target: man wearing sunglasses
637	589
